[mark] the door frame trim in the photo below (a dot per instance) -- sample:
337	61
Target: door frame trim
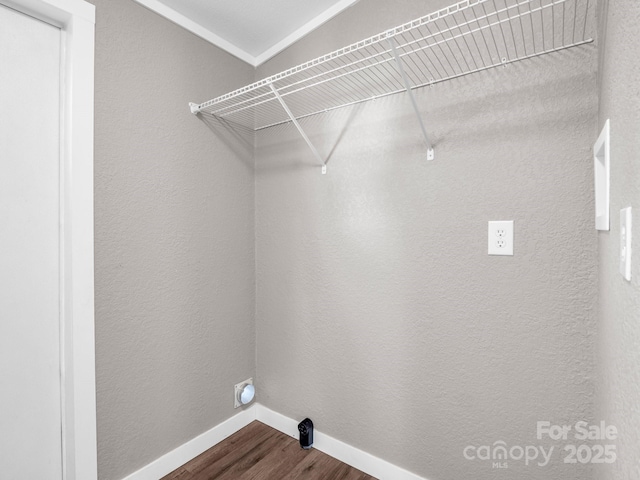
76	19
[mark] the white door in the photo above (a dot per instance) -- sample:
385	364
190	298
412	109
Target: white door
30	276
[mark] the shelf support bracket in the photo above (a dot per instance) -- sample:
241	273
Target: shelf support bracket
409	88
299	127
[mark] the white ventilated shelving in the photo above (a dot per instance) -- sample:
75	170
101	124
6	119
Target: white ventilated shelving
468	37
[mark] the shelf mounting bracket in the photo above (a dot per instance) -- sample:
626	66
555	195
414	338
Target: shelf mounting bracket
409	88
299	127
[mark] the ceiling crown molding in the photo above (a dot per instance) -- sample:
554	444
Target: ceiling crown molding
194	27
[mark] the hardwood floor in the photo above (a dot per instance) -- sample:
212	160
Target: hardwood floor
258	452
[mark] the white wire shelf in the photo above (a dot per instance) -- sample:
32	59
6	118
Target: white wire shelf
467	37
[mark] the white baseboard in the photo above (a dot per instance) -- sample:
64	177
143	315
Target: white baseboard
188	451
345	453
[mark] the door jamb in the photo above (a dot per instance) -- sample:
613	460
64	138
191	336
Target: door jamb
76	18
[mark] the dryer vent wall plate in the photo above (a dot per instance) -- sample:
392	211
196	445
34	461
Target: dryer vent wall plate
601	167
243	393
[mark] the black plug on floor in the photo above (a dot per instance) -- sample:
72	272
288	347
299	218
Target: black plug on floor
305	428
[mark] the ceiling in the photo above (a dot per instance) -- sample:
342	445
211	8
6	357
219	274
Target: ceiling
252	30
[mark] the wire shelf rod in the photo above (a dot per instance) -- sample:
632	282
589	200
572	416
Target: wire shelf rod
468	37
432	17
488	26
444	40
428	84
330	79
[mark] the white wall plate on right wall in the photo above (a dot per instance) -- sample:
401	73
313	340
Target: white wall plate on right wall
601	175
625	243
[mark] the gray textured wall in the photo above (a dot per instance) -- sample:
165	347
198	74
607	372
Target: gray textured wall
619	322
380	314
174	213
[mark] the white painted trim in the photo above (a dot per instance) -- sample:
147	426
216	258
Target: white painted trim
57	12
601	173
76	18
188	451
337	449
206	34
345	453
197	29
79	259
304	30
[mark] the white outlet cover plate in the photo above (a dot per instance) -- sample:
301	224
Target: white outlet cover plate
625	243
500	237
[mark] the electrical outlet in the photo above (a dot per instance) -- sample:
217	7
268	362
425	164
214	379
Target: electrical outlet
500	237
625	243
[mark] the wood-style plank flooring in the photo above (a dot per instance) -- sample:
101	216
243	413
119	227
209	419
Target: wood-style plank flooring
258	452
